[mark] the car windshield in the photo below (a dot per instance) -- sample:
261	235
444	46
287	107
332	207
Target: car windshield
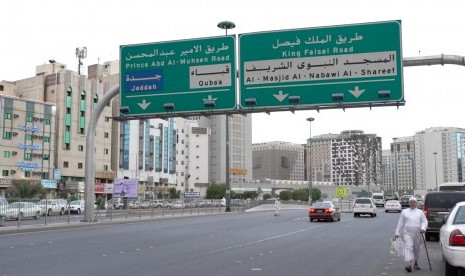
392	201
322	205
17	205
363	200
378	197
76	202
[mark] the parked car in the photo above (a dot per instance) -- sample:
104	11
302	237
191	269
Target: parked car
392	206
21	210
178	204
436	206
3	205
53	206
364	206
404	200
116	203
452	240
134	204
325	210
77	206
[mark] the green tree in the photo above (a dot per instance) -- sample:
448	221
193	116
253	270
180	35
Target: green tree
160	195
364	193
174	193
250	194
316	194
285	195
216	191
266	196
300	194
25	189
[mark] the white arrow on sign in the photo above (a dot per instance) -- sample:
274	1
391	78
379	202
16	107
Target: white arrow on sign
210	98
357	92
144	104
280	97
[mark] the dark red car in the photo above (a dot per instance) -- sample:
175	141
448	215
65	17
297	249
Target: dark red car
325	210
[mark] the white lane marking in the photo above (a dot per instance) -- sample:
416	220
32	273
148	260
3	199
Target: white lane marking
256	269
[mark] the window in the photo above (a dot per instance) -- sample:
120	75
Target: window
5	172
29	137
106	135
47	122
6	154
45	156
105	167
28	156
7	135
105	151
46	139
80	148
7	116
65	164
29	119
79	165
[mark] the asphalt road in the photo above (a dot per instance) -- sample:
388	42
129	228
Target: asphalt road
255	243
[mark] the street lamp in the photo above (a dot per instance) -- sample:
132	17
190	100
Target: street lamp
436	170
310	186
226	25
395	165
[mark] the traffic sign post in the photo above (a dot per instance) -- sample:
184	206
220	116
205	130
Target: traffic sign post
178	77
338	66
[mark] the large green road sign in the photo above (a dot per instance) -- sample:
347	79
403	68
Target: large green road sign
346	65
178	77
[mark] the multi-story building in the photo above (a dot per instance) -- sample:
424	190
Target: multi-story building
403	164
356	159
387	170
240	147
27	142
73	98
321	158
278	160
439	156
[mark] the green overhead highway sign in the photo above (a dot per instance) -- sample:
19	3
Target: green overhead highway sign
337	66
178	77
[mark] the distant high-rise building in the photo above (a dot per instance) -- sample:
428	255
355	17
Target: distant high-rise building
278	160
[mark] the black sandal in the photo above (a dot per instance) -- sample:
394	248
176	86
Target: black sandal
416	267
408	268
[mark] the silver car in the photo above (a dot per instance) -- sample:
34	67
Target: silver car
21	210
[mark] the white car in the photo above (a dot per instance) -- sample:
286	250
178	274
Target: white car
76	206
392	206
364	206
21	210
452	240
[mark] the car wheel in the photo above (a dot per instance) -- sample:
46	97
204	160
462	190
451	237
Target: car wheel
427	236
355	215
372	215
386	211
78	211
49	212
450	270
37	215
20	216
62	211
311	220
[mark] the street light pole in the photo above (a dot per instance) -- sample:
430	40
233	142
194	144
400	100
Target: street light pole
436	170
310	185
395	165
226	25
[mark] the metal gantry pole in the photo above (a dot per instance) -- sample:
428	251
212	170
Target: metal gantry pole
226	25
89	195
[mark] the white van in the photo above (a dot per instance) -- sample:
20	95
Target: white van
378	199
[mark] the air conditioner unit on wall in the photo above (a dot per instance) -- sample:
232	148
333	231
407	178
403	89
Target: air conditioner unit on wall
16	116
36	119
12	171
14	152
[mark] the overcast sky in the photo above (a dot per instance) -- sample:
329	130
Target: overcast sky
38	30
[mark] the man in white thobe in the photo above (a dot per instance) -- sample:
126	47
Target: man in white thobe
412	224
277	207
